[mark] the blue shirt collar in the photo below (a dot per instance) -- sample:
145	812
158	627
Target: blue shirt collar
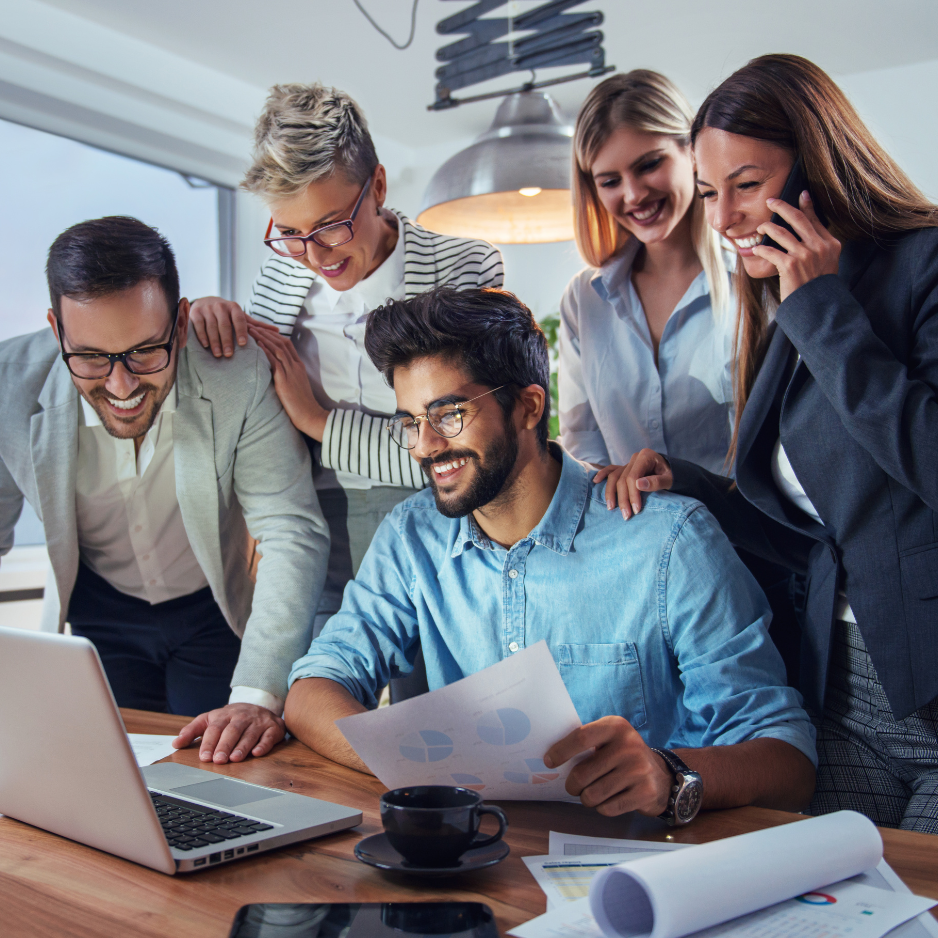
559	525
610	277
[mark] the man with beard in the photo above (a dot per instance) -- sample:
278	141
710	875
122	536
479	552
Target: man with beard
148	464
659	632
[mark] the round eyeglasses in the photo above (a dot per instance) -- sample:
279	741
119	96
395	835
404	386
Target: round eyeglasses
445	420
329	236
139	361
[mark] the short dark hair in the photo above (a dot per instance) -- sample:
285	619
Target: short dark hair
107	255
491	333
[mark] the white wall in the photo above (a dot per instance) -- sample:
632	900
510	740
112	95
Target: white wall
900	106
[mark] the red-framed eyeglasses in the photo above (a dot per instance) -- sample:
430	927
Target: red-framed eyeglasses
329	236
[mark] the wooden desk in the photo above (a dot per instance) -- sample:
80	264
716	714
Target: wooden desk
54	887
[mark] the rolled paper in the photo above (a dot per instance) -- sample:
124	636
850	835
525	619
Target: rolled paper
674	894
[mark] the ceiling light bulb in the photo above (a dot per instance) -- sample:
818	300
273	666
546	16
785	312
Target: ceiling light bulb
530	191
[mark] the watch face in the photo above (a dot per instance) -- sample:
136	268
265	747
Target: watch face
688	803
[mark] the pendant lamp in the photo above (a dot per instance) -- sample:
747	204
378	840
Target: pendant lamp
512	186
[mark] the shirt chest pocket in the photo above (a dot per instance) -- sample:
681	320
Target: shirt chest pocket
603	680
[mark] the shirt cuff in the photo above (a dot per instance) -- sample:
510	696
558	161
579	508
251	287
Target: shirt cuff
261	698
327	439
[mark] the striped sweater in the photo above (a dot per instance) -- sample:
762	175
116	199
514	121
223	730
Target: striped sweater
354	441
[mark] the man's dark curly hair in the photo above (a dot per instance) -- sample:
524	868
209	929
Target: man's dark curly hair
490	333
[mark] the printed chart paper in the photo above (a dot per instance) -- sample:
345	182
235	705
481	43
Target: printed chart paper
567	879
487	732
562	846
149	749
572	918
844	910
576	845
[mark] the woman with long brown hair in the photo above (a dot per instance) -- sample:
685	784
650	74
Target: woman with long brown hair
645	337
836	437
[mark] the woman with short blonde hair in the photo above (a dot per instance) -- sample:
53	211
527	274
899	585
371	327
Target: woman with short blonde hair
644	347
336	253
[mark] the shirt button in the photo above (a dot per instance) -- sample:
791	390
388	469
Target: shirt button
146	556
513	647
138	527
152	582
513	574
654	424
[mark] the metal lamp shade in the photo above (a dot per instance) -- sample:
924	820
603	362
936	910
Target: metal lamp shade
478	192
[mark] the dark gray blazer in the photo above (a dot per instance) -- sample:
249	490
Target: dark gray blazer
858	418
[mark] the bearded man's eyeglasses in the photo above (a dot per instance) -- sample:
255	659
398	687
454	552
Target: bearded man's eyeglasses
138	361
445	420
329	236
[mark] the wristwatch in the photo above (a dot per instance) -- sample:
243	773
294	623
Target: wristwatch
686	792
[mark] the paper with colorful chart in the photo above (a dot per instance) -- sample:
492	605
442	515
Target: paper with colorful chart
487	732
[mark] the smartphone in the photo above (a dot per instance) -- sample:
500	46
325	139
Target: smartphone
796	183
366	920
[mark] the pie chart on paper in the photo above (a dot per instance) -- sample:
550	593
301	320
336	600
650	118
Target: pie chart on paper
503	727
530	772
465	780
426	746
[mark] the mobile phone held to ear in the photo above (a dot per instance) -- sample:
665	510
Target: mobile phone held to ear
796	183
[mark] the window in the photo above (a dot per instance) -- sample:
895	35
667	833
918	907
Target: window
48	183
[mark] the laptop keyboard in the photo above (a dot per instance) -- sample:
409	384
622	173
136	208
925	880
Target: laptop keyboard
188	826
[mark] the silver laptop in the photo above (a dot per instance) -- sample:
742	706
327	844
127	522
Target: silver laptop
66	766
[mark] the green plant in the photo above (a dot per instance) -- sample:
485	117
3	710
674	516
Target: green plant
551	326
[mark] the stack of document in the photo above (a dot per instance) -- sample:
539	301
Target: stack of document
823	876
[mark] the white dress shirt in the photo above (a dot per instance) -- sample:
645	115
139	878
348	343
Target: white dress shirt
329	336
784	477
130	528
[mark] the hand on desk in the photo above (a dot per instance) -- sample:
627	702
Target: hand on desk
233	732
623	774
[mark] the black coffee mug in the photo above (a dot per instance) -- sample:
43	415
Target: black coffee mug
434	825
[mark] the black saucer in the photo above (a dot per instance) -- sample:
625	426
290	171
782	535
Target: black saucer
377	851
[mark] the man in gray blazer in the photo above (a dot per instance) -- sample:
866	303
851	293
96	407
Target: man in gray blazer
149	463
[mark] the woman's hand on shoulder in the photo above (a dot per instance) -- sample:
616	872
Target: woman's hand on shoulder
815	255
220	323
646	472
291	382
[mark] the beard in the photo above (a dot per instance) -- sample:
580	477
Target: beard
128	429
492	471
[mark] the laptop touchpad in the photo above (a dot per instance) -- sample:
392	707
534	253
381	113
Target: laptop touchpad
226	792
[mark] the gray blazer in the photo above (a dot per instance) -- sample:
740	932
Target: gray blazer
240	467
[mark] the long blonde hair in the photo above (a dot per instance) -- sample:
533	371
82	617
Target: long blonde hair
789	101
649	103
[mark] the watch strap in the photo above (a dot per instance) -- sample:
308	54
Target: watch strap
678	767
674	762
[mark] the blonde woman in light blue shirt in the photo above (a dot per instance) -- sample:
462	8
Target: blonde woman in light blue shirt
646	337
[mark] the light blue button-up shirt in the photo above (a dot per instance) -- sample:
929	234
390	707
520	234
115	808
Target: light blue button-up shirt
655	620
614	400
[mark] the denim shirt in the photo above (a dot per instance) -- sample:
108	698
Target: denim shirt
655	620
614	399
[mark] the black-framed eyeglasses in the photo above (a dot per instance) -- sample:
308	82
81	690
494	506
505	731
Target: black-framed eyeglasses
445	419
138	361
329	236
